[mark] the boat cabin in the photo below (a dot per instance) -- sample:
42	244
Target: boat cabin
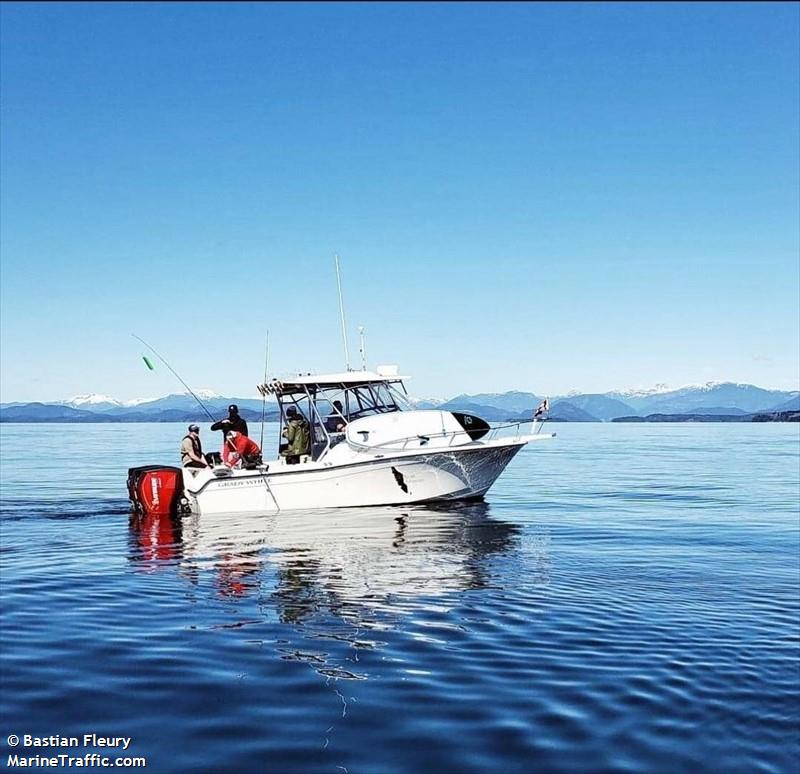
329	402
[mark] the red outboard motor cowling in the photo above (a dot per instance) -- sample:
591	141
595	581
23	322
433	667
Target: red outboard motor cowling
155	489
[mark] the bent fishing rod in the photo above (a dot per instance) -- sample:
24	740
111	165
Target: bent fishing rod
177	376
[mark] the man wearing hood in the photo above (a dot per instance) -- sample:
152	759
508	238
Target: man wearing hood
298	436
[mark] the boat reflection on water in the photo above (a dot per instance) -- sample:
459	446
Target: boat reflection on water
360	557
155	540
334	575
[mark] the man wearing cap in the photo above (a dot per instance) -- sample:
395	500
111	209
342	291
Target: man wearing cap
233	422
192	449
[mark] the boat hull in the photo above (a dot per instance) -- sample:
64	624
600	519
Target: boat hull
454	474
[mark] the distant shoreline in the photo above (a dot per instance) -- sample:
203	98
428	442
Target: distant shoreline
713	402
774	416
777	416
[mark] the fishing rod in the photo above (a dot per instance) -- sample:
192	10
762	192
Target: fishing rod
264	394
177	376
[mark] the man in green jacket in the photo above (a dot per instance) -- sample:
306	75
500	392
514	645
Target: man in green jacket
297	434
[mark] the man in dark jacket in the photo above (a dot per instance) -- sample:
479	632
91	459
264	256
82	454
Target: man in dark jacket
233	422
335	421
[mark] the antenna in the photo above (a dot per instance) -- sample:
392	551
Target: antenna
363	349
341	312
264	394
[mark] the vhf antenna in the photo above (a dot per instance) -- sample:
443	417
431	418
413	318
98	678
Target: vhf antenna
341	312
363	348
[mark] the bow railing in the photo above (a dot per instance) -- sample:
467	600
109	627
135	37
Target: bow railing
507	431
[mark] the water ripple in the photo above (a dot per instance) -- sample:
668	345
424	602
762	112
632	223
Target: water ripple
627	600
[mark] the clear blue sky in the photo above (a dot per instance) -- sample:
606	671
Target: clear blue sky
524	196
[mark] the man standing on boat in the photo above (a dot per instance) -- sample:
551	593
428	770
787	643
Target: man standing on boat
192	449
298	436
233	422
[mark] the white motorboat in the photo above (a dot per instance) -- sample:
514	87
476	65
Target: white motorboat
367	446
385	452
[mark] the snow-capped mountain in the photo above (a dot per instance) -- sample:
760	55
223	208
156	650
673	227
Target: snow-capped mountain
204	394
99	402
92	402
513	401
714	398
641	392
596	405
746	397
425	403
137	401
183	401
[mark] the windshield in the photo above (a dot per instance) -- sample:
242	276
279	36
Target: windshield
345	403
328	410
400	398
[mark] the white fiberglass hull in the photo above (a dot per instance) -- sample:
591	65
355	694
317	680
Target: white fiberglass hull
392	479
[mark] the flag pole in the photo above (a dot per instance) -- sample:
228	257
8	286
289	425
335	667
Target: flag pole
540	411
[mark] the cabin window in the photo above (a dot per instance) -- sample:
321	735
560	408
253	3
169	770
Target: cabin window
353	401
371	399
399	397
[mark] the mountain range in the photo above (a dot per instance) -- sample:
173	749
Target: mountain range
725	400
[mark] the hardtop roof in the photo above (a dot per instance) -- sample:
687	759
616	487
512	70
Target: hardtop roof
327	381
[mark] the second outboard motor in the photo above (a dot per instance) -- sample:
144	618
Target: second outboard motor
155	489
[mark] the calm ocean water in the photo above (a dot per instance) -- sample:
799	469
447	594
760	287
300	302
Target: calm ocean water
626	599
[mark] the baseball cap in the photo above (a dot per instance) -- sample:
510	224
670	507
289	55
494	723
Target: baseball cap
194	429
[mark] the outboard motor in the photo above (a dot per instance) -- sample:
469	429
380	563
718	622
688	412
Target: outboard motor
155	489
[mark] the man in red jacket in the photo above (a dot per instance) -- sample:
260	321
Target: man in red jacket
239	449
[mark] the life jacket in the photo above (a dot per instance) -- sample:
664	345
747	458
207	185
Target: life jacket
197	448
